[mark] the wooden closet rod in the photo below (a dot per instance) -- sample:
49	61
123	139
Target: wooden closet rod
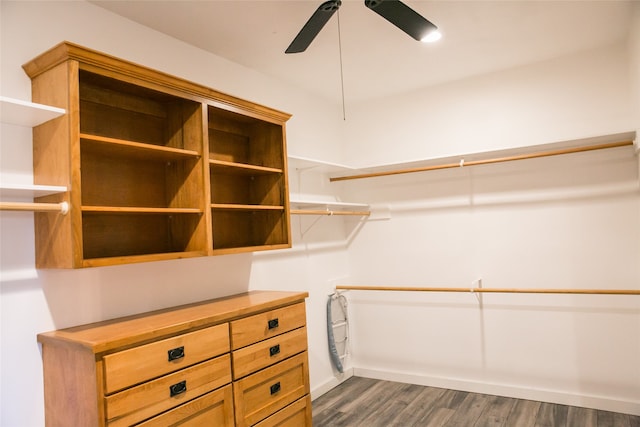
63	207
323	212
463	163
493	290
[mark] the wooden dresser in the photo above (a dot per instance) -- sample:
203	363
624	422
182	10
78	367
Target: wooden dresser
239	360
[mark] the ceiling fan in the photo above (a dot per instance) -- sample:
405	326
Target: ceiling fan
394	11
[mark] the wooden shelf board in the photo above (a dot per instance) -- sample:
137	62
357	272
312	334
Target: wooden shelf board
138	210
240	168
107	261
30	191
235	207
105	145
242	249
25	113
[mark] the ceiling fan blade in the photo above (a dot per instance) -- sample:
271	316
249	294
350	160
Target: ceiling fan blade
402	16
313	26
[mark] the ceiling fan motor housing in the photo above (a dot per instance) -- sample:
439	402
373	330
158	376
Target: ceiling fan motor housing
331	5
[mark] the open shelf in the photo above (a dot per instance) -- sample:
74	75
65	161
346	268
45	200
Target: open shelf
160	168
25	113
248	182
241	168
262	229
236	207
111	146
138	210
127	234
14	196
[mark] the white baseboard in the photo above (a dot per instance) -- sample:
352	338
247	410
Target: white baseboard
585	401
332	383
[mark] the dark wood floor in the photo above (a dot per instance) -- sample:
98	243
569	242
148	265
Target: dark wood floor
373	403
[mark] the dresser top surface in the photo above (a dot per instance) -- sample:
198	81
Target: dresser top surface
123	332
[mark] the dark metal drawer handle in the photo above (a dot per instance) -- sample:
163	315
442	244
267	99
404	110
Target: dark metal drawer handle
274	350
273	323
178	388
176	353
275	388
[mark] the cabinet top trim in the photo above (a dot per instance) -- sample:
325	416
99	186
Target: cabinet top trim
66	51
124	332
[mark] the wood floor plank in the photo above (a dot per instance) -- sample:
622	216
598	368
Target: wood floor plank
496	412
420	407
524	413
451	399
582	417
344	394
438	417
552	415
469	410
366	402
388	404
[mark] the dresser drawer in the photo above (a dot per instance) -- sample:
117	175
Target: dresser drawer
212	409
266	325
266	392
146	400
257	356
139	364
298	414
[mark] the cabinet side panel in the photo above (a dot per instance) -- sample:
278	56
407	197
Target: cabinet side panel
52	163
70	388
187	181
285	188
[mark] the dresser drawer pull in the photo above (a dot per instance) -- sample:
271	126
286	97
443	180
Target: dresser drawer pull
274	350
176	353
275	388
178	388
273	323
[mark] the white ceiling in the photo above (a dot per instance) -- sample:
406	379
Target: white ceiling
378	59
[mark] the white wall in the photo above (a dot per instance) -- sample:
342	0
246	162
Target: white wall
36	301
634	62
562	222
582	95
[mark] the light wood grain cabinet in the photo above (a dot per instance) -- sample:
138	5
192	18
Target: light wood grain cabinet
179	367
156	167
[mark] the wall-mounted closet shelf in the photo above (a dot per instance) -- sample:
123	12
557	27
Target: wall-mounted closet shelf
490	290
328	212
29	191
306	163
25	113
330	208
62	207
28	114
322	207
460	162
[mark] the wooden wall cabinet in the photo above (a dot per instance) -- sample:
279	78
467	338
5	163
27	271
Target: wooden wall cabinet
235	361
157	167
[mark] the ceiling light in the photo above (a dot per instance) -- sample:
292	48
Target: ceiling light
432	36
